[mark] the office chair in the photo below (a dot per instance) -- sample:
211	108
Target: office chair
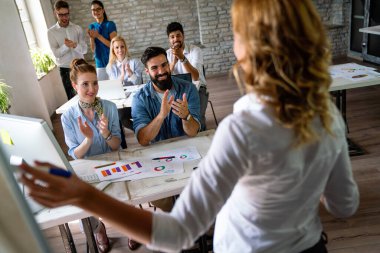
123	143
187	77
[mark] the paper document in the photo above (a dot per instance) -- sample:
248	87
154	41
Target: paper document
353	72
178	155
137	169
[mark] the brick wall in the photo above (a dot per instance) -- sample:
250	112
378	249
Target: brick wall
143	23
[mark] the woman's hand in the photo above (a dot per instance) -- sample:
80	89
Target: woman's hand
92	33
128	69
103	126
85	129
52	190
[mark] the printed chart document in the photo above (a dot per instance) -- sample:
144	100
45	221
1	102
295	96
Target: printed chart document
353	72
138	169
159	164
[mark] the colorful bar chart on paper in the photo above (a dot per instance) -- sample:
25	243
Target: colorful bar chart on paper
119	170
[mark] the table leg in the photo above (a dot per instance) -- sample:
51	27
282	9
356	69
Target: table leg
91	243
341	102
67	238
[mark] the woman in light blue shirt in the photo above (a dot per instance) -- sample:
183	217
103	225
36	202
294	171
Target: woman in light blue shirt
121	66
91	127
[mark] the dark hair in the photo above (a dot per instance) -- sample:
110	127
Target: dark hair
61	4
80	66
101	5
174	26
151	52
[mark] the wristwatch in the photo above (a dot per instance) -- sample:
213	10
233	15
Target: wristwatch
184	60
188	117
109	137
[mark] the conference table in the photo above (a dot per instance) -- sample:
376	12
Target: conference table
131	192
340	85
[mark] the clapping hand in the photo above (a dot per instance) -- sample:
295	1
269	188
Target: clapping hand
166	104
180	107
103	126
70	43
126	68
177	53
85	129
93	33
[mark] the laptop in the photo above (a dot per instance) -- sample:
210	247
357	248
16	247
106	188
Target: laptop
111	90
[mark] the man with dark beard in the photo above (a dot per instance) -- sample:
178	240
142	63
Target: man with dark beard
166	106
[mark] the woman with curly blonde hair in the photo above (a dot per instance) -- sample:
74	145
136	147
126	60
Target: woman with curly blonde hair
272	162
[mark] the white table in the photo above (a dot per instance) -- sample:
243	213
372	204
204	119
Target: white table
135	192
338	88
124	102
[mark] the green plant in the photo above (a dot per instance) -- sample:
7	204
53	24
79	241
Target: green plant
4	97
42	61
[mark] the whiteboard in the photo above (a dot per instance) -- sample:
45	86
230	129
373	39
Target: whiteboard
19	231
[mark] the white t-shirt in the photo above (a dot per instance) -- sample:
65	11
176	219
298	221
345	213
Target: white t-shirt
263	192
195	57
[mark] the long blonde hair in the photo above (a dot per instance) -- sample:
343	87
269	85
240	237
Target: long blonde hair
113	56
288	55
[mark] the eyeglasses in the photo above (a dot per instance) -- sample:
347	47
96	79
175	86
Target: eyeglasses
97	9
62	15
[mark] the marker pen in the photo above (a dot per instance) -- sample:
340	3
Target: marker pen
17	161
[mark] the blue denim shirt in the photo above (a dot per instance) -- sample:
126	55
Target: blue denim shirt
146	106
74	137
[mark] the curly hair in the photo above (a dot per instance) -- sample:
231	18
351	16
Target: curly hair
288	55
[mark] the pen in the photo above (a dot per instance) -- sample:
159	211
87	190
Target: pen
54	171
17	161
104	165
60	172
164	157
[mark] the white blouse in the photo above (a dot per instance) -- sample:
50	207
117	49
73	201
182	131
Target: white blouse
264	192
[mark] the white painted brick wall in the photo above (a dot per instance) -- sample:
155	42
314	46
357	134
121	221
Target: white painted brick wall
143	23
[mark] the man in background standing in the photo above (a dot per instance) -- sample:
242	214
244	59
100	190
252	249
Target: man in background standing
66	41
187	58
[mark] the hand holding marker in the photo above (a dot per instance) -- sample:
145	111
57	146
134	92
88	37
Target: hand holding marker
17	161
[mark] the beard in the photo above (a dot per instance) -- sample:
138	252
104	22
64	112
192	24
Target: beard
177	45
163	85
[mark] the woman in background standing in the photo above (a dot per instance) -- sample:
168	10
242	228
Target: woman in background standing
101	33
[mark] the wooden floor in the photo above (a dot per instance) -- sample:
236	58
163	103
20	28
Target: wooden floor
358	234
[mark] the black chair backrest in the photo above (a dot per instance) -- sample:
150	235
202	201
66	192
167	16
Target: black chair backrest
123	143
186	77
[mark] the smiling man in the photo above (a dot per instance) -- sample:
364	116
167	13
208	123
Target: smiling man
187	58
166	106
66	41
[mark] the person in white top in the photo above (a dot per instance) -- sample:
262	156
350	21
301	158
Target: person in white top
187	58
272	162
66	41
121	66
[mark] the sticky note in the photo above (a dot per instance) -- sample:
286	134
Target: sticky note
5	137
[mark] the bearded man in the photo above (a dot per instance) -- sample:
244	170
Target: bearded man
166	106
